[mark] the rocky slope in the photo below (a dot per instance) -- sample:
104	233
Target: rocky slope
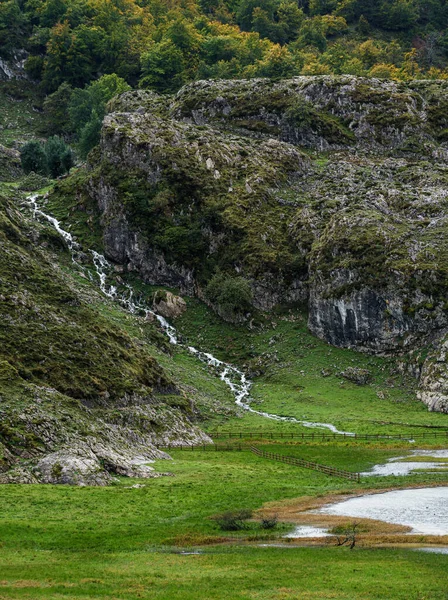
321	190
81	399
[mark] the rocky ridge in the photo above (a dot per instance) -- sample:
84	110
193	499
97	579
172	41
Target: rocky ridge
329	191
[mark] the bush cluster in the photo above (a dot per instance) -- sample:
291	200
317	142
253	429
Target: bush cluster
233	520
237	520
52	158
232	296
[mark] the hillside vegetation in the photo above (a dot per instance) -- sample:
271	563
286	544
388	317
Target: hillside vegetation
164	45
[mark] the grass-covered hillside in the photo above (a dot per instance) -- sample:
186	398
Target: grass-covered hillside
78	374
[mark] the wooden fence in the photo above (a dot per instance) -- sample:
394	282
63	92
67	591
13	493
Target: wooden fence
307	464
204	447
284	435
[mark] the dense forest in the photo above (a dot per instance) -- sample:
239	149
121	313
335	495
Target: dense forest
83	52
162	44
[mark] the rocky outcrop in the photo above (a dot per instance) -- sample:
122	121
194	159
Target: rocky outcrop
357	375
54	440
168	305
324	112
10	167
69	468
14	68
215	181
177	198
433	384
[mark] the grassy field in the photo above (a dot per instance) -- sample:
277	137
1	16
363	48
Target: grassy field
124	542
295	374
157	540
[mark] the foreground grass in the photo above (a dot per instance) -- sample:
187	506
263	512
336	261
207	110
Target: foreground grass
243	573
169	509
123	542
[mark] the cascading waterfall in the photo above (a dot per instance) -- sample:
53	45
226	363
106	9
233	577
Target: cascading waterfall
235	379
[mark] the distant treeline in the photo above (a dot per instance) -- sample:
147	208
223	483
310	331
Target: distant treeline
162	44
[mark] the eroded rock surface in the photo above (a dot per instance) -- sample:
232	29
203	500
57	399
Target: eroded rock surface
169	305
217	180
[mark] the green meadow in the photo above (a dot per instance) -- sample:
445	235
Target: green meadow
158	541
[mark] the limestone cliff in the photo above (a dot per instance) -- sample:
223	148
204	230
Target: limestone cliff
329	191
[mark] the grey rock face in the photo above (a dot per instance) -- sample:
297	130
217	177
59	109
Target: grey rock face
149	151
68	468
13	68
359	235
76	445
374	320
344	110
433	385
168	305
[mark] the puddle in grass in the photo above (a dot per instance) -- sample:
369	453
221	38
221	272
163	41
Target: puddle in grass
441	550
307	531
424	509
404	465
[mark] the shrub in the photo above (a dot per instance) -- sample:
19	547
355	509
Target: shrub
269	522
89	136
53	158
34	158
32	182
231	296
300	113
232	520
59	156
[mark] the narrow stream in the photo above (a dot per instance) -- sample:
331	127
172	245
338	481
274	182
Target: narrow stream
235	379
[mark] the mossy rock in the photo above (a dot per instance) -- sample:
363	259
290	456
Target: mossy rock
8	372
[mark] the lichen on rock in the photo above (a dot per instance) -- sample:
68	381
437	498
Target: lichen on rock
328	191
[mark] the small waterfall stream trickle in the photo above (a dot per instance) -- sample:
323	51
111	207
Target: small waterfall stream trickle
233	377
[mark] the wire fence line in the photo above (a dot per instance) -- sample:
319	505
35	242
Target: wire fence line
290	460
307	464
284	435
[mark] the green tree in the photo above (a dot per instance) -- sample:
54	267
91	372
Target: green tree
59	156
93	98
278	63
89	135
56	111
52	12
87	108
33	158
363	25
55	69
246	8
322	7
163	67
311	34
232	296
291	17
12	27
399	15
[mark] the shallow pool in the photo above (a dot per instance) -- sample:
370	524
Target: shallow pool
425	510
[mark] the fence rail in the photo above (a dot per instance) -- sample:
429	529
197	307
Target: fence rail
307	464
284	435
204	447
